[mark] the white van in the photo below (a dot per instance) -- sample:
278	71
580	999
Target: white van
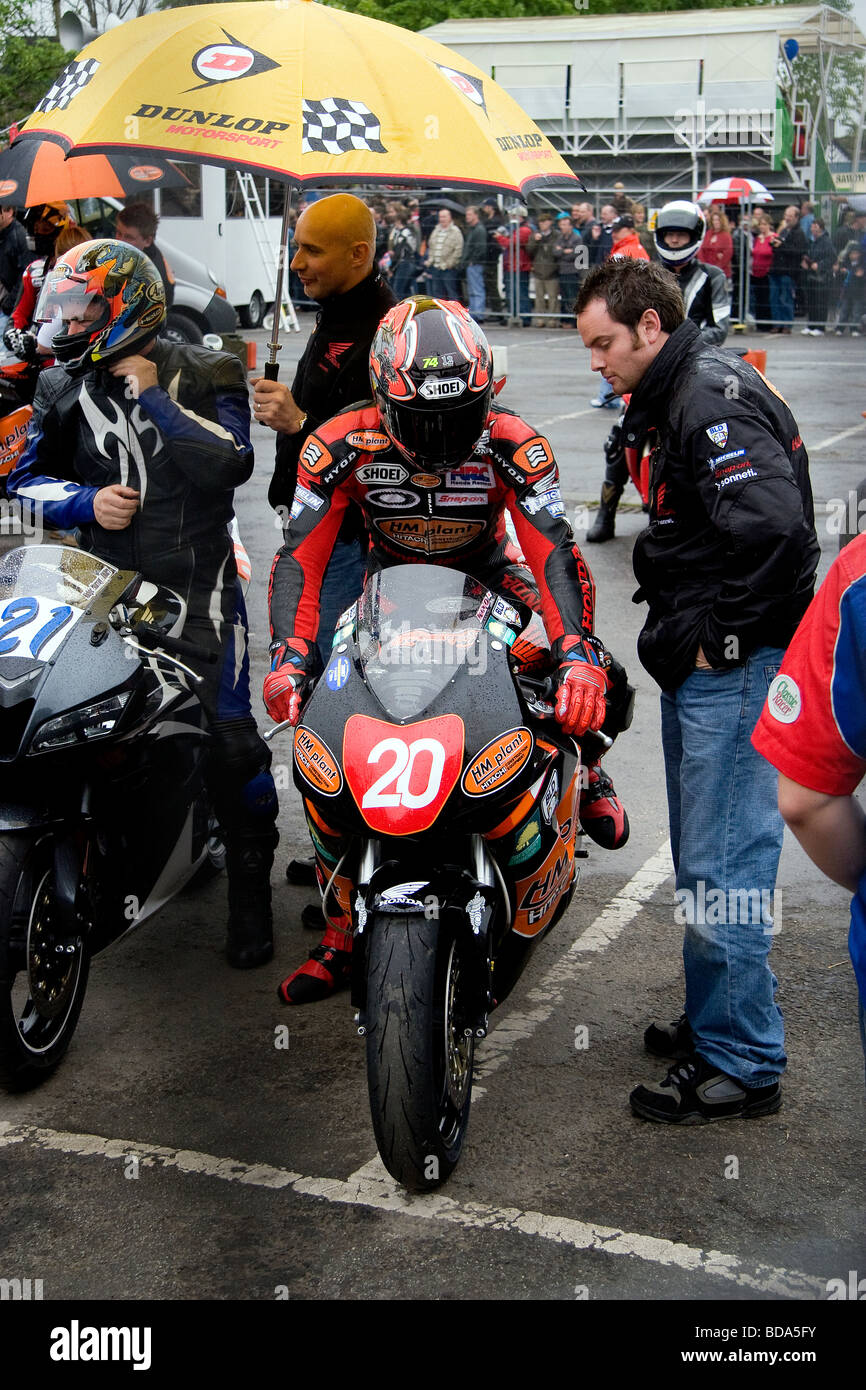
209	220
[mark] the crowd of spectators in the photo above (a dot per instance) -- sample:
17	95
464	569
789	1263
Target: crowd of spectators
520	265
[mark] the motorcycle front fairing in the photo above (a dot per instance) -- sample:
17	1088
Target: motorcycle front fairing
417	743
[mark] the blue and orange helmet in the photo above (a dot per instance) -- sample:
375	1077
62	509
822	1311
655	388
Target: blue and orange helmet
431	369
113	295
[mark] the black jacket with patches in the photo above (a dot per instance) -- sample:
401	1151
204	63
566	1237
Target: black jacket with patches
728	561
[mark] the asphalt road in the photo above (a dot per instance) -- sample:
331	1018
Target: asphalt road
180	1154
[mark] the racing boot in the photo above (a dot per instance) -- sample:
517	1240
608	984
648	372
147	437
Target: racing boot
249	856
328	969
602	529
602	815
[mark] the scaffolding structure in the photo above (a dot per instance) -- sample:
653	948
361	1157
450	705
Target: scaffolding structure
667	102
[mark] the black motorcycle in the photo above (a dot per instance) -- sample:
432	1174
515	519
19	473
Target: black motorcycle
443	797
104	813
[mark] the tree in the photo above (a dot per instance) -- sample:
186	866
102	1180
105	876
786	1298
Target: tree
28	63
844	87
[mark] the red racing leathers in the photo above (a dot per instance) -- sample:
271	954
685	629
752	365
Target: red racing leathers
416	517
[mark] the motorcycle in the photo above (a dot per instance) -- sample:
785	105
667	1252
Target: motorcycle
443	796
104	814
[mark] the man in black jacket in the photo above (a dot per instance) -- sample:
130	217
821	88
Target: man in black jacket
140	445
678	235
335	239
789	248
727	566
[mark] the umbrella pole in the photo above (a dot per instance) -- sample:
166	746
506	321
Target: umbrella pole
272	366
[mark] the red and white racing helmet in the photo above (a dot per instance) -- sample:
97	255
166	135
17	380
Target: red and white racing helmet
431	370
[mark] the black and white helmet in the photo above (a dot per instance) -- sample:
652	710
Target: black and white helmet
680	216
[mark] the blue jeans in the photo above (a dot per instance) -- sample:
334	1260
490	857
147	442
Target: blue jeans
606	391
341	585
726	837
403	282
475	287
781	298
444	284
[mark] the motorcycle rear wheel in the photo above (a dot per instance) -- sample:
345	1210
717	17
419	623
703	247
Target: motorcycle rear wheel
43	967
419	1060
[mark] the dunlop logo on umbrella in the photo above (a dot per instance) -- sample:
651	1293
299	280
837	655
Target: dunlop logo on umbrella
469	87
226	62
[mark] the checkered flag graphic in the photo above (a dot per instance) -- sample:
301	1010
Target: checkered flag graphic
73	78
337	125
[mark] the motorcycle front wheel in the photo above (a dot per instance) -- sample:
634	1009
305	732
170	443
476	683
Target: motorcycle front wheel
419	1048
43	966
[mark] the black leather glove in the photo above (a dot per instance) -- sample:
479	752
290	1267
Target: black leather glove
22	343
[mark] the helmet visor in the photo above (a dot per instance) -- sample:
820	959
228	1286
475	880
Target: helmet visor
80	314
439	438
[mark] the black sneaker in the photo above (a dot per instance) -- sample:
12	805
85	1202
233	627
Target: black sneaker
694	1093
674	1040
301	871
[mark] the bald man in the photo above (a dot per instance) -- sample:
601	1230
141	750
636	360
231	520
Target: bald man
335	240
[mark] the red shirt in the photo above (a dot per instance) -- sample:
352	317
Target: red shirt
762	255
812	727
718	248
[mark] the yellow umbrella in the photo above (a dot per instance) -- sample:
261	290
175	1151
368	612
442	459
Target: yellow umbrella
299	91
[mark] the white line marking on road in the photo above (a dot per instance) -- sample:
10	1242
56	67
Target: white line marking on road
383	1194
572	415
835	438
548	993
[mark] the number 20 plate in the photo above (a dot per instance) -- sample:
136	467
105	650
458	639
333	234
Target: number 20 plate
402	775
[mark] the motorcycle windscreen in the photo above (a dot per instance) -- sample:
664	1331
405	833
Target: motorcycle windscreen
44	591
417	626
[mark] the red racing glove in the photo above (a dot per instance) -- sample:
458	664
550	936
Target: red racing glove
582	686
290	679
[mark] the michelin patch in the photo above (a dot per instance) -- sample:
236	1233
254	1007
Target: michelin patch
305	498
718	459
551	500
719	434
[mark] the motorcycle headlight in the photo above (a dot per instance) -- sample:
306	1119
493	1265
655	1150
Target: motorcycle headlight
80	725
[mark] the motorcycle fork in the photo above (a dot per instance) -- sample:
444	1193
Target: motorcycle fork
465	903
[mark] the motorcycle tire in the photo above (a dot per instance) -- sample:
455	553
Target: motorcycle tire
43	968
419	1061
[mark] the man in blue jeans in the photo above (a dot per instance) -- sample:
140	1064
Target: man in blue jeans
727	566
789	248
